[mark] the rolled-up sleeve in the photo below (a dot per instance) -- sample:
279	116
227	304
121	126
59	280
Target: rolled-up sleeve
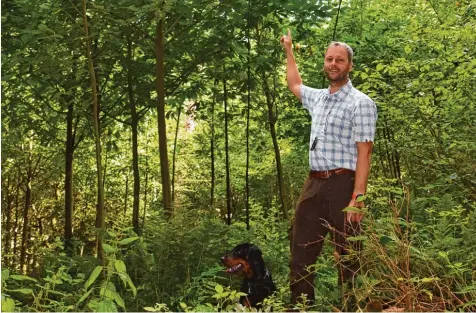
309	96
365	119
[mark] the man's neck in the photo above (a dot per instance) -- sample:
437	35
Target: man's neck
336	85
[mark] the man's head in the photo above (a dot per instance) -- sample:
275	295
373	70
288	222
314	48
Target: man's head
338	62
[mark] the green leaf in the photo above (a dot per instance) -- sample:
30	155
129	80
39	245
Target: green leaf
93	277
22	277
5	274
108	293
353	209
26	291
8	305
83	297
108	248
384	240
120	266
149	309
57	293
219	288
443	254
125	241
111	233
6	77
119	301
126	279
379	67
106	306
45	28
429	279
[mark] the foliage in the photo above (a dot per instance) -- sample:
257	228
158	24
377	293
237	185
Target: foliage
416	59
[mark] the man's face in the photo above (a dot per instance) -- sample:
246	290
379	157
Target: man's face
337	64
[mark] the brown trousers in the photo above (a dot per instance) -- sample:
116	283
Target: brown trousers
318	212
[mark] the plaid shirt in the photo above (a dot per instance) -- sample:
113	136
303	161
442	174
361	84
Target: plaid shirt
339	120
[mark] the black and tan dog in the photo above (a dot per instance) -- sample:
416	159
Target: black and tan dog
247	259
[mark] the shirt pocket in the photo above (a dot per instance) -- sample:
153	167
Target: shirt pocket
340	124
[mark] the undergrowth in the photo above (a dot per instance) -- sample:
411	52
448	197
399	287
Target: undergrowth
412	261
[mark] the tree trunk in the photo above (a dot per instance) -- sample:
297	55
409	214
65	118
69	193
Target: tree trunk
68	183
248	108
146	175
126	196
17	215
160	88
135	145
70	147
227	157
8	219
277	154
212	151
100	213
25	232
174	155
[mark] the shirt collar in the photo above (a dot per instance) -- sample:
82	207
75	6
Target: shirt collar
342	92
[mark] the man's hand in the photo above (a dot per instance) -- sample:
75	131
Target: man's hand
354	216
287	41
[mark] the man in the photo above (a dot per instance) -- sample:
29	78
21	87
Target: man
342	134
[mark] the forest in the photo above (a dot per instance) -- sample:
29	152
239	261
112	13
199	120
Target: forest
143	139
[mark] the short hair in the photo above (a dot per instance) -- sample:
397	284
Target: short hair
350	52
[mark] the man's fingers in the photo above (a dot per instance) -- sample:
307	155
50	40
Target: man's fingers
289	34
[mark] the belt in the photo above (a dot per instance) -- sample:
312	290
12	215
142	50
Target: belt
329	173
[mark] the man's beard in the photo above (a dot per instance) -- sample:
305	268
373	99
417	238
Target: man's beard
338	78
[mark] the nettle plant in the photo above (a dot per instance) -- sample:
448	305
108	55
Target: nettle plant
104	295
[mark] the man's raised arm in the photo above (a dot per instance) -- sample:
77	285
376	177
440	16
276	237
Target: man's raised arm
292	73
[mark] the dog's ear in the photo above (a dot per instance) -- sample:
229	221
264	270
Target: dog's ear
254	253
255	259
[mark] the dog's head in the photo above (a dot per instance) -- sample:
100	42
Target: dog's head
245	258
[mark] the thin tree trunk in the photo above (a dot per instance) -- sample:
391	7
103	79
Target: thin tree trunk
126	196
212	151
160	88
26	209
396	156
146	176
8	220
174	155
277	154
227	157
248	108
381	154
68	183
70	147
135	145
100	213
387	151
391	155
17	215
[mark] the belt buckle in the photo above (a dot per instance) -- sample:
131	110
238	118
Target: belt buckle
326	174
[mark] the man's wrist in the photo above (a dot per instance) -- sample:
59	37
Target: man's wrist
355	195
